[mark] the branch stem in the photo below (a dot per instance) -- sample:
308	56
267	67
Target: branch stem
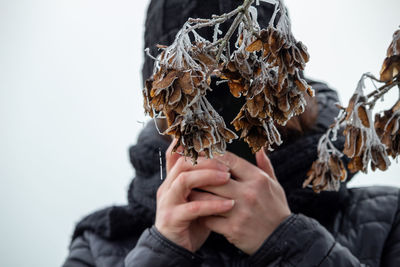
381	91
239	17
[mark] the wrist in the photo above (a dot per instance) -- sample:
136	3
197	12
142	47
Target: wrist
175	238
263	236
175	247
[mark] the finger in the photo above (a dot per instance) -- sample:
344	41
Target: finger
239	167
203	196
186	181
171	157
216	224
264	164
184	165
195	209
231	189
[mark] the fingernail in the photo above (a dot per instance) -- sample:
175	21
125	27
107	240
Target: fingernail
222	167
223	175
229	203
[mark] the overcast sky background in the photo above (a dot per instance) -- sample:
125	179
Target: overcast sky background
71	105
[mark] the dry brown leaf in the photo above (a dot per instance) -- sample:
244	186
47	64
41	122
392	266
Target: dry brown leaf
175	97
166	81
185	82
197	143
236	88
206	59
390	68
301	85
363	115
256	45
283	103
355	164
303	51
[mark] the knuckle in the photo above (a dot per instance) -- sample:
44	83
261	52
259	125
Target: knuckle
250	196
168	154
232	160
182	179
244	218
214	164
181	161
261	182
193	207
236	230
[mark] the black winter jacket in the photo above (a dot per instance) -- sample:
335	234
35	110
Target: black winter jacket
352	227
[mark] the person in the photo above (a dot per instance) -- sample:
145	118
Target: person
263	217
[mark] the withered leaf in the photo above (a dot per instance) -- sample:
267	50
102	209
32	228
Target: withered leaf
361	142
197	143
206	141
179	107
175	97
231	66
310	91
334	165
350	107
158	101
251	107
303	51
275	42
236	88
256	45
283	103
166	81
206	59
266	50
226	133
170	117
355	164
185	82
390	68
288	59
363	115
350	142
379	159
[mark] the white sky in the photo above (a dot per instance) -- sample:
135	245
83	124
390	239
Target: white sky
70	102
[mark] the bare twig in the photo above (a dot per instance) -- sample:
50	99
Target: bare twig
381	91
239	17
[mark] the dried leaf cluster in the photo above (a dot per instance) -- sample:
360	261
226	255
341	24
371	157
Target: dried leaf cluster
264	68
367	141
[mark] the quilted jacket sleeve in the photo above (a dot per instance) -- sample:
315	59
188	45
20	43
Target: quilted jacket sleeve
153	249
391	251
302	241
79	255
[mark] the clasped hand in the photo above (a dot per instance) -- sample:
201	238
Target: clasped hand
227	195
